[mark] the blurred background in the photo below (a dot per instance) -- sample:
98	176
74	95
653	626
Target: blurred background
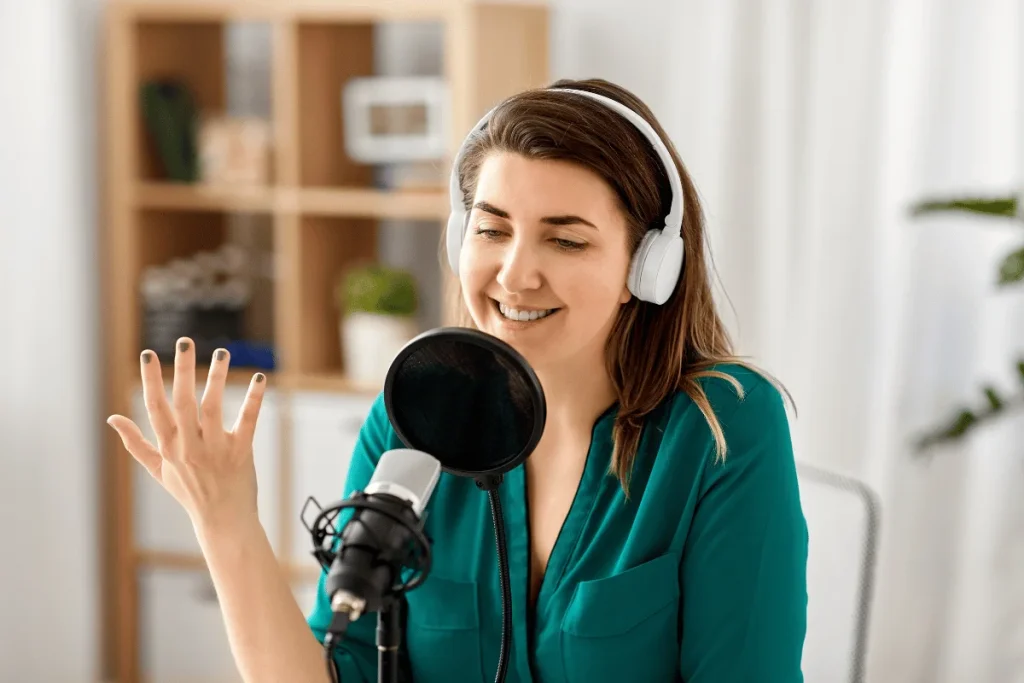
270	175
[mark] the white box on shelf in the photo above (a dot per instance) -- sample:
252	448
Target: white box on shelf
161	524
394	119
325	430
182	638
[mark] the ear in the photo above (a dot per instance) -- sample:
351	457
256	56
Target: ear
626	295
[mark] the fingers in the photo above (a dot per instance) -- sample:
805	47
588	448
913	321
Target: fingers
160	415
183	392
212	407
245	425
136	444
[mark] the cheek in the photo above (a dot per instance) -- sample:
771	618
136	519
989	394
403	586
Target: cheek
595	296
474	274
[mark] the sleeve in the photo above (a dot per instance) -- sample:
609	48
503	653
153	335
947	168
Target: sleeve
356	655
744	569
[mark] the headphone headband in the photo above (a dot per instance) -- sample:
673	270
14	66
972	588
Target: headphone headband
658	260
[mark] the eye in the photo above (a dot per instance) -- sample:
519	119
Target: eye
489	233
569	245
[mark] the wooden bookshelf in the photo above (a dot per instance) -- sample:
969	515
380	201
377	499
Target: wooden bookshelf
322	209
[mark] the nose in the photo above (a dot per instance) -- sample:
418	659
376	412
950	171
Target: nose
520	268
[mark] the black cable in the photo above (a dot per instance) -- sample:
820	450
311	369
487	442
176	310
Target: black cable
335	633
506	586
332	668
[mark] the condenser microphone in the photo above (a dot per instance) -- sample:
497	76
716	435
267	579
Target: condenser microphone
380	538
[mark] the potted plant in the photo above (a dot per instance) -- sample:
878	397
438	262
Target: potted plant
378	305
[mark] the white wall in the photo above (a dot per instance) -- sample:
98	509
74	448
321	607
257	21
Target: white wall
49	419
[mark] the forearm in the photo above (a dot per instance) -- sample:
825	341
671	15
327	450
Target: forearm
269	636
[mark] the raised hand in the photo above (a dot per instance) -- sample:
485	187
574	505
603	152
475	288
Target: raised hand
210	471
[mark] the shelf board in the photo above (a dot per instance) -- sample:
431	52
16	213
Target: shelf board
309	381
293	381
200	197
327	381
304	10
325	201
162	559
369	203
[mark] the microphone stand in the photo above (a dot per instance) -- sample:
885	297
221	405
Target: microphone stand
389	638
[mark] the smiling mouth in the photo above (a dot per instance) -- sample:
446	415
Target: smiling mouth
516	315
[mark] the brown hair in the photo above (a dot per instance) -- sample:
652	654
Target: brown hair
652	351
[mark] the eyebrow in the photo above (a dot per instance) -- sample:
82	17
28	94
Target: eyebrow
566	219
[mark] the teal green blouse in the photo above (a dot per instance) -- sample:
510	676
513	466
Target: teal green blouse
700	576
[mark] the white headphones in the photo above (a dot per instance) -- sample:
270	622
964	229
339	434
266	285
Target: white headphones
658	260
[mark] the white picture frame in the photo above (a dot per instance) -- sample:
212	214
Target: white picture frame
361	96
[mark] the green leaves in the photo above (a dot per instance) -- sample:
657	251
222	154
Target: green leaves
378	289
968	419
1012	268
998	206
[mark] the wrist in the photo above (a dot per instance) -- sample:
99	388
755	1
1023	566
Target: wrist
219	529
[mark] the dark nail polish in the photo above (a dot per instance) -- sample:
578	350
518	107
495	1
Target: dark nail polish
260	377
147	356
221	354
183	346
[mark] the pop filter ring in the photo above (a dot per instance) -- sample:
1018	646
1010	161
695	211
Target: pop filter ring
488	481
465	335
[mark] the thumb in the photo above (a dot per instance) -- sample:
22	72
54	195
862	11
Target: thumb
136	444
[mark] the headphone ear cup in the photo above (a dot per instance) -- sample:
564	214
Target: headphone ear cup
636	267
656	265
453	238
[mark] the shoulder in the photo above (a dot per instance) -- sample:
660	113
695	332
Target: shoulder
748	418
739	398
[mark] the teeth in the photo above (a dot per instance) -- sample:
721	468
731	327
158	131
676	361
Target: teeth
523	316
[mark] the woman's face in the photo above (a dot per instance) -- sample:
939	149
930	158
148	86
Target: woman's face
545	258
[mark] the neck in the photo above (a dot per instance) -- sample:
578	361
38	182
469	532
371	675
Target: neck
576	394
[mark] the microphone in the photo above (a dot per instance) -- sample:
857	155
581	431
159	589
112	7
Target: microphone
462	402
379	538
384	536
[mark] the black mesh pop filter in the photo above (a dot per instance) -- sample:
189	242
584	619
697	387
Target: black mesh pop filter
466	398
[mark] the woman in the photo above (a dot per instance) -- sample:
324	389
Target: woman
655	534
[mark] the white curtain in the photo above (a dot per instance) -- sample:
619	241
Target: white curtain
811	127
50	420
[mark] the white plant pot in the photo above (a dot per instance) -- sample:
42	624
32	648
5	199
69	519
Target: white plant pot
370	342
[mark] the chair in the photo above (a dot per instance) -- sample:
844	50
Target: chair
842	517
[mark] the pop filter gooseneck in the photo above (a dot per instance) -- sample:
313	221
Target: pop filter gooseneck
474	403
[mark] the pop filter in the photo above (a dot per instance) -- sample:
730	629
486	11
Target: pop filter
468	399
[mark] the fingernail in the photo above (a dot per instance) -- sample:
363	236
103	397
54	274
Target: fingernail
221	354
260	377
183	346
147	356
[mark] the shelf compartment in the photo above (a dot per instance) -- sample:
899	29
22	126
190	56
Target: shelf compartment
329	55
327	246
166	237
203	57
181	52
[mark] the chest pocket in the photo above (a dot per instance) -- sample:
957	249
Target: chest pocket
443	631
624	627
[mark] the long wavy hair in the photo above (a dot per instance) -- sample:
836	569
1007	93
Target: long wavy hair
652	351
